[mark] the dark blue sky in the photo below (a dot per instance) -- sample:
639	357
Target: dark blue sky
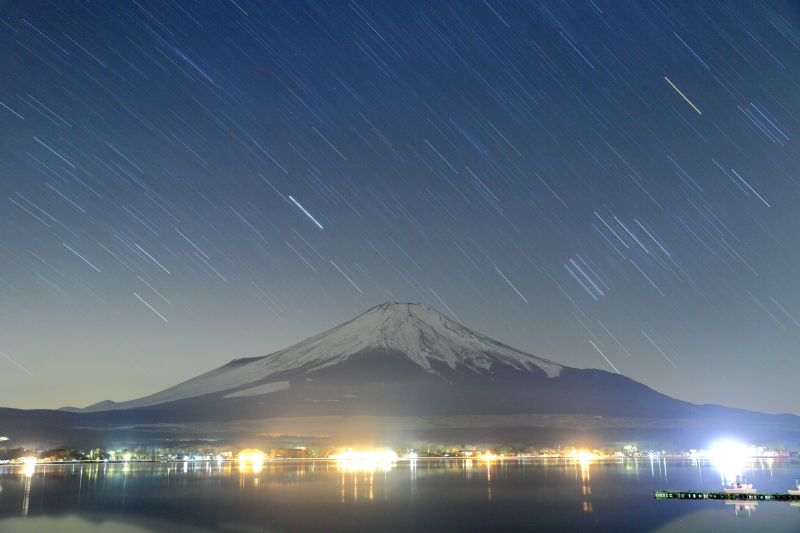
609	184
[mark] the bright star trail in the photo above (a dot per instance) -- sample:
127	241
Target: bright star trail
187	183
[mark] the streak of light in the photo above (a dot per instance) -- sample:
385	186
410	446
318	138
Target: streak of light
269	307
484	186
554	193
512	285
615	339
569	42
739	256
4	105
240	9
587	277
300	256
79	255
579	281
612	231
59	155
498	16
31	214
648	278
440	155
187	147
348	279
155	291
504	137
19	365
684	96
584	327
345	199
46	263
692	51
766	310
306	212
308	244
190	242
784	310
126	159
657	348
151	257
749	187
84	49
134	364
212	268
651	236
151	307
444	304
632	235
770	121
65	197
329	143
604	357
273	159
606	239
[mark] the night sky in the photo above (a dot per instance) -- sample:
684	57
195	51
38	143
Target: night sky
607	184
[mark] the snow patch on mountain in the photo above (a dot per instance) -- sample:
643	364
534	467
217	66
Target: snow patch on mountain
260	389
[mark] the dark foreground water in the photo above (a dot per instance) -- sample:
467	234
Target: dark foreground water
539	495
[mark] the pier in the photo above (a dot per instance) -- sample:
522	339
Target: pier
693	495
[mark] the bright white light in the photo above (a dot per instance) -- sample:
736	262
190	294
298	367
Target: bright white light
730	452
126	457
29	460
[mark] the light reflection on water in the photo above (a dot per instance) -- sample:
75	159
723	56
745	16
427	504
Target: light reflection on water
420	495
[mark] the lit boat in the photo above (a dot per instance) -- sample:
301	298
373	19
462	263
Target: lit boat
795	492
740	486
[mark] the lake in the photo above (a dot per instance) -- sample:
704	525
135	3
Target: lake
425	495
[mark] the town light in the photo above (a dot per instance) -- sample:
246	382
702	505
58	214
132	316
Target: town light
255	457
367	457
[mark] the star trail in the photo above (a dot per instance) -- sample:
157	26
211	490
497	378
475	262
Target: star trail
607	184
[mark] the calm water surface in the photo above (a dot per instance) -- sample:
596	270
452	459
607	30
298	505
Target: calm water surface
423	496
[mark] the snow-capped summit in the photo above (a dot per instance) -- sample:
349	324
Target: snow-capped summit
417	331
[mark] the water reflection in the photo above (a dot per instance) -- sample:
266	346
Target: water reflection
423	495
361	468
742	508
732	468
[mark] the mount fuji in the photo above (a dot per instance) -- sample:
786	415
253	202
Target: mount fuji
402	367
394	343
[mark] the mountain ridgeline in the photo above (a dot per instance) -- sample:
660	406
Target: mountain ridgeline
406	366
